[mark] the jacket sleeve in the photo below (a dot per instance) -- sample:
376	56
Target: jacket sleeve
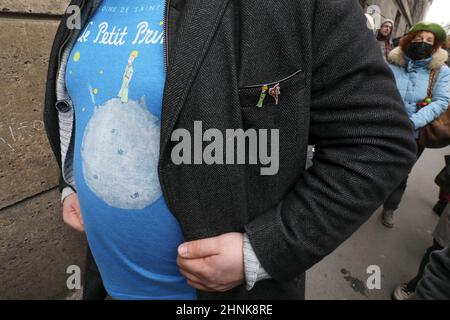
364	147
50	115
67	191
435	283
441	100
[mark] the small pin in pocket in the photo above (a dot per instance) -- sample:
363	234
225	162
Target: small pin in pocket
274	92
262	96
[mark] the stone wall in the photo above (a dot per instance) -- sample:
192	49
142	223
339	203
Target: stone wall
35	246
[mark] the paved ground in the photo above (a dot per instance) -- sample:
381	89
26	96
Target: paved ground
397	252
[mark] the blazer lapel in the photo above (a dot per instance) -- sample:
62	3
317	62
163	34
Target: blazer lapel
198	23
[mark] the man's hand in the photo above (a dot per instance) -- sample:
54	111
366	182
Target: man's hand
72	212
214	264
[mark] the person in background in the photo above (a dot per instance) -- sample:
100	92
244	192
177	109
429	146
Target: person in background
444	197
420	51
384	35
444	193
441	239
435	284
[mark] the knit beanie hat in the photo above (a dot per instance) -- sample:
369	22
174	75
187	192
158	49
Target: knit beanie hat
388	21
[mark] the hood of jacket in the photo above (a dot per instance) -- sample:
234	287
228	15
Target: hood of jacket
438	59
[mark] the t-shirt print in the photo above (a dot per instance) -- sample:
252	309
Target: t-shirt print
126	135
115	77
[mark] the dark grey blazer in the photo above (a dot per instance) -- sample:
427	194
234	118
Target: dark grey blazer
337	94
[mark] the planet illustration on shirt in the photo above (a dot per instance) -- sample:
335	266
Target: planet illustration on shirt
120	150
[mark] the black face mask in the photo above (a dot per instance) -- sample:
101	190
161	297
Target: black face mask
419	50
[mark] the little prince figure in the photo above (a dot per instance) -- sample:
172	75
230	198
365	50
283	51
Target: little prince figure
123	93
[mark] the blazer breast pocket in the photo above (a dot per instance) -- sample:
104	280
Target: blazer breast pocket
263	105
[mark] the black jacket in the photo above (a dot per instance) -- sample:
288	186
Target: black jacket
435	282
443	178
341	98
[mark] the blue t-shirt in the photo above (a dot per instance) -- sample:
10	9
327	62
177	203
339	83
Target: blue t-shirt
115	77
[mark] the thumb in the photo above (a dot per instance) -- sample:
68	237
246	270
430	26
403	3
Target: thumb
199	248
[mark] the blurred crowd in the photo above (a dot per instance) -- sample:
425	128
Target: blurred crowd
420	62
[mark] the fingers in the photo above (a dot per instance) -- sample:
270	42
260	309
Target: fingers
198	274
192	278
195	270
73	221
194	266
196	282
72	213
199	248
80	221
78	214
